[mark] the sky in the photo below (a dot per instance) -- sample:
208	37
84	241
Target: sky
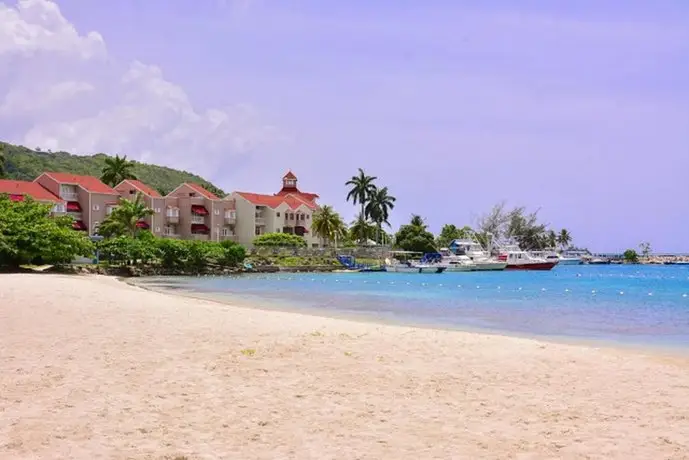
578	109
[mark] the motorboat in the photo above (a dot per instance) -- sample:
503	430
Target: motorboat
451	262
402	262
481	259
572	257
518	259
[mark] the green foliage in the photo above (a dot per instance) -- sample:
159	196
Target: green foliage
328	225
362	230
3	159
188	255
124	219
279	240
378	209
450	232
116	170
361	189
26	164
29	235
564	238
415	237
630	256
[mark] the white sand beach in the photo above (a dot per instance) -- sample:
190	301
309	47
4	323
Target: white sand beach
92	368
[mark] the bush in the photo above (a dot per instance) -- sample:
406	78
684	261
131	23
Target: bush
195	256
630	256
28	234
279	240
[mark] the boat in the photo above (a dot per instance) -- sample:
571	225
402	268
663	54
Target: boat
474	251
347	270
599	261
549	255
572	257
402	263
518	259
451	262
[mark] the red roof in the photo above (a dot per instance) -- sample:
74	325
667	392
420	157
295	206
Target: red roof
202	190
289	175
32	189
273	201
88	183
137	184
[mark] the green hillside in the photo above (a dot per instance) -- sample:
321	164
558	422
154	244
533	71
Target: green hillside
25	164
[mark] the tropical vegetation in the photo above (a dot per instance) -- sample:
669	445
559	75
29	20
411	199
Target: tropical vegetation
415	236
28	235
22	163
645	248
116	170
630	256
451	232
329	226
126	219
2	161
376	204
278	240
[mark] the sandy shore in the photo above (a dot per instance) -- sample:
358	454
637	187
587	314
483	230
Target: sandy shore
93	368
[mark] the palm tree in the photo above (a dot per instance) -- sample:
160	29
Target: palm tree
116	170
124	220
328	224
551	239
360	192
564	238
362	229
379	208
417	221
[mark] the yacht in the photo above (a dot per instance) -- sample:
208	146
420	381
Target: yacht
572	257
401	263
451	262
474	251
518	259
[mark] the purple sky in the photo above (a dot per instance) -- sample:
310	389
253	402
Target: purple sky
582	111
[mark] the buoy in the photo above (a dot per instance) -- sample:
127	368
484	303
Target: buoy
621	292
593	291
519	289
566	290
543	289
684	295
650	293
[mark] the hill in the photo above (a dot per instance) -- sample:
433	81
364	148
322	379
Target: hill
26	164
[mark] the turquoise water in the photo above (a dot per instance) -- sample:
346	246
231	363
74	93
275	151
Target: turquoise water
643	305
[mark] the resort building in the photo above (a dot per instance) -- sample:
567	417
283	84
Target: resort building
188	212
288	211
87	198
18	190
192	212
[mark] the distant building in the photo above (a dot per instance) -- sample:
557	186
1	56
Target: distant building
188	212
288	211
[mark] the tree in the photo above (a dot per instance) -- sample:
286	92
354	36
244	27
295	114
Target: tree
328	224
517	224
551	239
3	162
415	237
360	192
630	256
450	232
29	235
564	238
277	240
645	249
116	170
361	230
378	208
126	218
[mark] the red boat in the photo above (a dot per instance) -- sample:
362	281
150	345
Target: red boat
517	259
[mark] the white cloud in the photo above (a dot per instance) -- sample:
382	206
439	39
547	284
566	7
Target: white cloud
67	94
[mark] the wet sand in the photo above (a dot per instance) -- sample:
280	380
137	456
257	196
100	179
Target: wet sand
93	368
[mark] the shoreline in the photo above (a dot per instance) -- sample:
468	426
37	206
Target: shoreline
255	303
93	367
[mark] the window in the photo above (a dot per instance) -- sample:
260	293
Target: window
157	210
96	226
259	230
173	212
96	207
216	212
132	192
157	229
308	217
231	214
59	207
278	214
226	231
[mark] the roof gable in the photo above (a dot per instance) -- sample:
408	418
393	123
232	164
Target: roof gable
88	183
196	188
143	188
32	189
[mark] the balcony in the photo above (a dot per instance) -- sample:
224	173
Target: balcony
174	236
197	219
199	237
228	238
230	218
173	218
260	219
69	196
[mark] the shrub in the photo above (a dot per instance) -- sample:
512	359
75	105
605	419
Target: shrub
28	234
630	256
279	240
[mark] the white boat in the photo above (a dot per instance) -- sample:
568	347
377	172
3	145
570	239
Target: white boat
518	259
402	263
451	262
481	259
572	257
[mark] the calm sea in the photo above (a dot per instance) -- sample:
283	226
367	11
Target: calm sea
636	305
